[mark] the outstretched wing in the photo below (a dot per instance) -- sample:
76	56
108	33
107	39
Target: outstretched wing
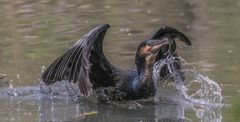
171	31
75	64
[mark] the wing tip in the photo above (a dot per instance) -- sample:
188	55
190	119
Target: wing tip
167	29
57	70
103	27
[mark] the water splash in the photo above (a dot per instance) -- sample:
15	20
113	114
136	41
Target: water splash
61	88
195	88
195	91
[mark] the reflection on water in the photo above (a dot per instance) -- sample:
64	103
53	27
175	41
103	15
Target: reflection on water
34	33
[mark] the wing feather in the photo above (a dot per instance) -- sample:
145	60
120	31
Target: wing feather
75	64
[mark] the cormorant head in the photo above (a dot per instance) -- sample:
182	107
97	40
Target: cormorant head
149	52
160	46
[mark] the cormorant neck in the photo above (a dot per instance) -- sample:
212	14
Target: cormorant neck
145	72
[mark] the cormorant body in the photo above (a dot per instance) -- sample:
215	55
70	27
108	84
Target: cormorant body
85	65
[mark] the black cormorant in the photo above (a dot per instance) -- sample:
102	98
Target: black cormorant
85	65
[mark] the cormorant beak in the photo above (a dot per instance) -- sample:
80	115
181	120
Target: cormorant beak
153	46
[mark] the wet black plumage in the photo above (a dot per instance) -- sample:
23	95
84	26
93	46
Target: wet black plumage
85	64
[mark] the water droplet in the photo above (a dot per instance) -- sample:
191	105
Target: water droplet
149	11
18	77
230	51
43	69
